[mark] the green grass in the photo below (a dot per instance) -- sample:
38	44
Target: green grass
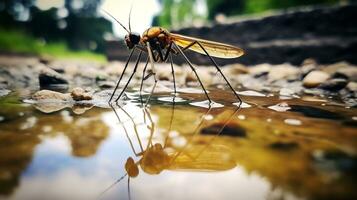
19	42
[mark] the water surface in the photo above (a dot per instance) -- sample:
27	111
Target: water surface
270	148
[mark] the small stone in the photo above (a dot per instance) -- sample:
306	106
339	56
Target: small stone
348	72
260	70
224	129
284	71
286	92
79	94
48	77
286	146
307	66
332	69
50	95
335	84
4	92
315	78
352	86
106	84
235	69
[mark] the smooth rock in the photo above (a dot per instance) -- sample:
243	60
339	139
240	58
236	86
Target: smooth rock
352	86
50	95
235	69
260	70
79	94
49	76
335	84
348	72
307	66
315	78
284	71
333	68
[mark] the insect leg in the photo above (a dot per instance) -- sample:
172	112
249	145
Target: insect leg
194	70
142	79
220	71
169	48
122	74
127	83
173	74
151	58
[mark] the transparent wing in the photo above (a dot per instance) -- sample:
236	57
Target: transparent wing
215	49
200	158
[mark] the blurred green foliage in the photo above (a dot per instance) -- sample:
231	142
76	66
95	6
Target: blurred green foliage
179	12
176	13
27	44
76	23
256	6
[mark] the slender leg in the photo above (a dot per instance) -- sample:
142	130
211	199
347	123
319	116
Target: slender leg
168	50
194	70
142	80
127	83
153	70
220	71
173	74
122	74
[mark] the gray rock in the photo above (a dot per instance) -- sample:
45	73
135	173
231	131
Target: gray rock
315	78
106	84
335	84
49	77
4	92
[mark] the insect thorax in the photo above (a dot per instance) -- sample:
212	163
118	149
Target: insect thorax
157	37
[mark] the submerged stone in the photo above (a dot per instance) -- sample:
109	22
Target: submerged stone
226	130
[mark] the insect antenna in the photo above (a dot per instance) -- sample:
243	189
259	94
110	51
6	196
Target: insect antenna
117	21
131	8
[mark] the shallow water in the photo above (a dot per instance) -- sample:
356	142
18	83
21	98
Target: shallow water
271	148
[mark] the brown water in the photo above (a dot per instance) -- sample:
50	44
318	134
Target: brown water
271	148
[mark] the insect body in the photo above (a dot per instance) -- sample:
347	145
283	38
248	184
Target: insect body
160	45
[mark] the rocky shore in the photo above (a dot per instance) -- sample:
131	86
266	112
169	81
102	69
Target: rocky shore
81	79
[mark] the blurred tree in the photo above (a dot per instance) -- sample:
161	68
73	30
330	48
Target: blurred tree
227	7
181	12
176	13
76	23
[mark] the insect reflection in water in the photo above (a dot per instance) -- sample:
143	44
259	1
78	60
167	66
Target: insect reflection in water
160	45
154	157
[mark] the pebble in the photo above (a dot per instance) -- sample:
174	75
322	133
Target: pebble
352	86
48	77
235	69
284	71
335	84
260	70
224	129
348	72
315	78
79	94
50	95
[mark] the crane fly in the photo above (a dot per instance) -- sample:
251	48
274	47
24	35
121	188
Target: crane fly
160	45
